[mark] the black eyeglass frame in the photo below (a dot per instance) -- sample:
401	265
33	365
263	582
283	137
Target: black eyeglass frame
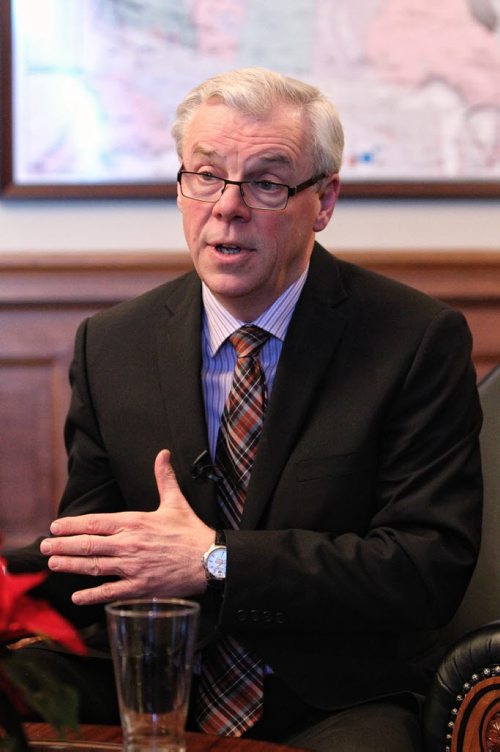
292	191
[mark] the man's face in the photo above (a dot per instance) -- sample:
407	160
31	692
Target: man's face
248	257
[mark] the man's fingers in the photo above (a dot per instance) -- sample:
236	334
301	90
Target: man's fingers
88	565
87	535
78	545
98	524
108	591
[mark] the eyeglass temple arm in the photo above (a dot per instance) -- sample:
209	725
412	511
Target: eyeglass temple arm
305	184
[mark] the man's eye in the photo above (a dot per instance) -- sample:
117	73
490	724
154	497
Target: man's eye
267	186
207	177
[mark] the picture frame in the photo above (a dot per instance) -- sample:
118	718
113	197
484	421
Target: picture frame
51	136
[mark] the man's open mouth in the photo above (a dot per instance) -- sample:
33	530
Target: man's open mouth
228	250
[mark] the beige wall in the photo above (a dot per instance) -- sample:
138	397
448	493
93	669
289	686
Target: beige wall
155	225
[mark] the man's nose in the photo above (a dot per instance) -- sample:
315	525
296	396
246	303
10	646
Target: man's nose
231	201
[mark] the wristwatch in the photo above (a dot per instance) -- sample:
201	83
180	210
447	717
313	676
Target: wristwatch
214	560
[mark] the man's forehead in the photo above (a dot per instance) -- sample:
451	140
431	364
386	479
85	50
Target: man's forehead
217	129
271	156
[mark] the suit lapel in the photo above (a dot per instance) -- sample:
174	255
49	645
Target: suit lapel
312	338
179	358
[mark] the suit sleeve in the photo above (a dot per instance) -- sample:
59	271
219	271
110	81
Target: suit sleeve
410	568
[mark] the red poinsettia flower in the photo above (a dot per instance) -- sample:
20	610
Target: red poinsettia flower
24	682
22	615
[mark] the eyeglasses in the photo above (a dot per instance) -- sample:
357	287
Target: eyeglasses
256	194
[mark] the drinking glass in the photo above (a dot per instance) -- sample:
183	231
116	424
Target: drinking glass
152	645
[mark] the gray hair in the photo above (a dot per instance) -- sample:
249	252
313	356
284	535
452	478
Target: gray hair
254	91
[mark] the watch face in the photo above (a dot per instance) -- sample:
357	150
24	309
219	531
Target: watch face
216	563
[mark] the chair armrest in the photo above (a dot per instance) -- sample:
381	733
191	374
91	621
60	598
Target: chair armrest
462	710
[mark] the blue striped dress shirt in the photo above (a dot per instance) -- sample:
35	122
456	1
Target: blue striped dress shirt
219	357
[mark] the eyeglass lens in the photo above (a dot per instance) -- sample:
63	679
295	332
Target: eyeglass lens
256	194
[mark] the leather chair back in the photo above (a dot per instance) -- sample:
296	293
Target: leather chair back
462	710
481	603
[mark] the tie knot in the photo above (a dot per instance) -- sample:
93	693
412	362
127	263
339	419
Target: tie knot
248	340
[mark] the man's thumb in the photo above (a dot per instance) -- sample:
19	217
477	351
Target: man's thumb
166	481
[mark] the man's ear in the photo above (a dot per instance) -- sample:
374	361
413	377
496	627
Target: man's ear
328	195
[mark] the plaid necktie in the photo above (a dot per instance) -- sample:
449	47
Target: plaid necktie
231	682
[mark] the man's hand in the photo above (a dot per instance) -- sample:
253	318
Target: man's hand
152	553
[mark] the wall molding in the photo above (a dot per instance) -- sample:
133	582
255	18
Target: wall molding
470	274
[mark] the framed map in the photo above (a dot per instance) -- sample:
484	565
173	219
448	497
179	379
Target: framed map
89	88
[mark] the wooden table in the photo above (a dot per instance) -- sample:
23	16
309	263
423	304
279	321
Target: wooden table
110	737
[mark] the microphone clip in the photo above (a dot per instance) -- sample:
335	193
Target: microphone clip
204	469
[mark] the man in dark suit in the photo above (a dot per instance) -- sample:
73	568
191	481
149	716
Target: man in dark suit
360	524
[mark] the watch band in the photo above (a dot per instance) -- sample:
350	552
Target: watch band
220	538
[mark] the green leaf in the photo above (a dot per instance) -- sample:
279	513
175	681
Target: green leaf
44	692
13	738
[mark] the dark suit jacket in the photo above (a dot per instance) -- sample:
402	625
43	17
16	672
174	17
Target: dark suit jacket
361	524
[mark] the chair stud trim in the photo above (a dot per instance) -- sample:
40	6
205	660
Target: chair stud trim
488	673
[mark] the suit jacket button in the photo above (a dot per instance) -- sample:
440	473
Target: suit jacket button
254	615
241	615
267	616
280	617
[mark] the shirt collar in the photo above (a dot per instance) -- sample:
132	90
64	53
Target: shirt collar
219	324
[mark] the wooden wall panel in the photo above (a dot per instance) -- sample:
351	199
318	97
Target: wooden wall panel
484	321
468	281
35	352
42	300
25	404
